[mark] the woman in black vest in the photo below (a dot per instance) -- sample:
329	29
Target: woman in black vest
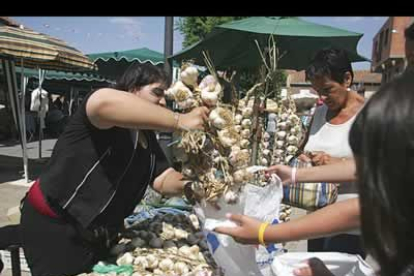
99	170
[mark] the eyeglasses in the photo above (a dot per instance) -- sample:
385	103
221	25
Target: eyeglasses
324	91
158	91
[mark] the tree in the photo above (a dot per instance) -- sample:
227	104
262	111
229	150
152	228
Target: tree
195	28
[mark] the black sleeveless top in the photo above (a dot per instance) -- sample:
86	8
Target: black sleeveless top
98	176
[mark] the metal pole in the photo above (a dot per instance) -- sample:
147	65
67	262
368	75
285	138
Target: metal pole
41	75
168	43
23	124
164	137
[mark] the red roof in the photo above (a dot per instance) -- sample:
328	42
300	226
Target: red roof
360	76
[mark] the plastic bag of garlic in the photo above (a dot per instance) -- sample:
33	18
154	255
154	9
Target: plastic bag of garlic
235	258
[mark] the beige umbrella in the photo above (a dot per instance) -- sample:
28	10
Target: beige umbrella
27	48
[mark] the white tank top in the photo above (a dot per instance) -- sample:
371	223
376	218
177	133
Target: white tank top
332	139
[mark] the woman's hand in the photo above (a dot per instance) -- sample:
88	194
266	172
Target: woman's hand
304	158
284	172
315	267
319	158
247	232
194	119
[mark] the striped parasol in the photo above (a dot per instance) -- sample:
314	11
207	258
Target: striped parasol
30	49
41	51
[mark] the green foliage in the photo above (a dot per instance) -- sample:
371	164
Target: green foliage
195	28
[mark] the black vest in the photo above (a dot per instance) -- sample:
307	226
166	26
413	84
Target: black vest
88	166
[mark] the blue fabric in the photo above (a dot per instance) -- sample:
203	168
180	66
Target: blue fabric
213	241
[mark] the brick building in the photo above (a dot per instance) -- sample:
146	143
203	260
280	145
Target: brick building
388	52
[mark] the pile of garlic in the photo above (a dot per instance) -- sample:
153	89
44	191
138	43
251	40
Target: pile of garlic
183	261
215	159
287	134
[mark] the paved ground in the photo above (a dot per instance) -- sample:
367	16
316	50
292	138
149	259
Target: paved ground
12	184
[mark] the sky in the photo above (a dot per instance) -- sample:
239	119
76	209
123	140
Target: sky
107	34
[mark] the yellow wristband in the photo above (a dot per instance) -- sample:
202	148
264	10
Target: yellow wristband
262	229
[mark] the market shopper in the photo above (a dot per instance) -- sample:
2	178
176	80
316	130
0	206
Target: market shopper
382	143
331	75
99	170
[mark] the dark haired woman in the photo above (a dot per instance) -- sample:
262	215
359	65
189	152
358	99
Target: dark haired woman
99	170
382	142
331	75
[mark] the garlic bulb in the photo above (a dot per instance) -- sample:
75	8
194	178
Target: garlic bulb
238	118
189	76
220	117
266	152
152	261
238	128
235	148
246	123
279	143
264	162
247	112
244	143
295	130
265	145
158	272
266	136
166	264
194	250
140	261
284	116
228	137
180	233
184	250
242	104
186	104
293	140
208	82
246	133
294	118
209	98
278	152
126	259
201	257
282	125
181	268
281	134
230	197
291	149
238	176
210	90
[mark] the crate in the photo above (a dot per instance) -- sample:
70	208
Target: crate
6	258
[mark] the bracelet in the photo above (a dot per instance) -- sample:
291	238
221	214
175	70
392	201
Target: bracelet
262	229
176	119
293	176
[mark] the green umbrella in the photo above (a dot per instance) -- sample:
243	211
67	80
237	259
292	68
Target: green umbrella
113	64
232	45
